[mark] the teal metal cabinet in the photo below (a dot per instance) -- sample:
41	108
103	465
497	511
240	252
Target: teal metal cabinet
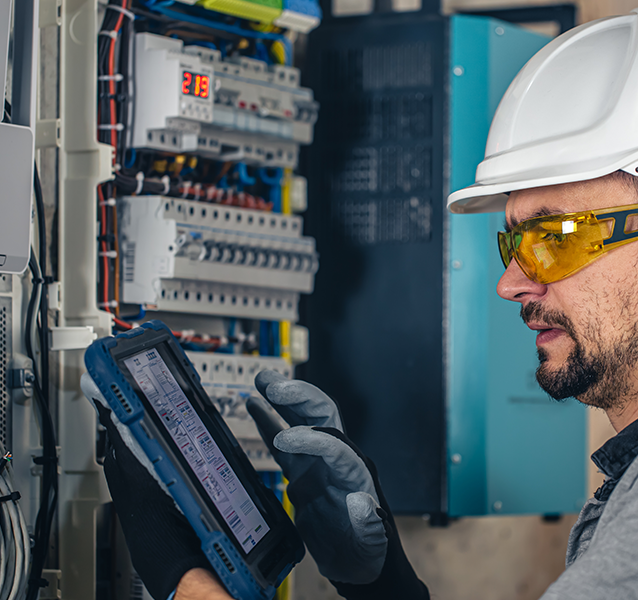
511	449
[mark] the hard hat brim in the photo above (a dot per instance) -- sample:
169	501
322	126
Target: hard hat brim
492	197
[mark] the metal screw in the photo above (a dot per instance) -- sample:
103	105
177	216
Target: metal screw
458	71
499	31
457	264
456	459
497	506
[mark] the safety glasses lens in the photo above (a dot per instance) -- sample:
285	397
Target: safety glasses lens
551	248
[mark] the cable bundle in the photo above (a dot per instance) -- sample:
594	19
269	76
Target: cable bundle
14	538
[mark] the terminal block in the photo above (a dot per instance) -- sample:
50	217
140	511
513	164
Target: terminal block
190	99
298	15
191	256
229	380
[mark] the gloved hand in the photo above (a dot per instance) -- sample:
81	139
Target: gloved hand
162	544
338	502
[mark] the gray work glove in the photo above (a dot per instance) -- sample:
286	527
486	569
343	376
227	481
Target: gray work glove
337	507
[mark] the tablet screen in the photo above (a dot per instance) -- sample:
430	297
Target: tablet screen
202	454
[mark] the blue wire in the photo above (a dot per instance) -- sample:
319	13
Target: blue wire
129	160
274	182
140	315
276	347
207	22
242	173
264	338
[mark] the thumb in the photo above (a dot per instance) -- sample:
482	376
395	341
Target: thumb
367	525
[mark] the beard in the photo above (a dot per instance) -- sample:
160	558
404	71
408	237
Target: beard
598	376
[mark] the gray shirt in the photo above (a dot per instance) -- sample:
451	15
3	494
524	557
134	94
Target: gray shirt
602	553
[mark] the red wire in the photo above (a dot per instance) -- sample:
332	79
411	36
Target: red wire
177	334
112	85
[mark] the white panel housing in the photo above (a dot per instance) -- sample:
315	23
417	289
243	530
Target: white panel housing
173	251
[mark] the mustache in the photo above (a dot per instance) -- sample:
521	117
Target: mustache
535	311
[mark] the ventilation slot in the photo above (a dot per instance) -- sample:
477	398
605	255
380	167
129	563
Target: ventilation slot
123	401
224	558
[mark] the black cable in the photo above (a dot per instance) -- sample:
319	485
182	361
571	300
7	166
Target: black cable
48	460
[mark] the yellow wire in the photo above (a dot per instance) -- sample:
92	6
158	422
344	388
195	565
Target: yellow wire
278	52
284	592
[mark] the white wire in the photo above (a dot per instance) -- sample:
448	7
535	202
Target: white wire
14	542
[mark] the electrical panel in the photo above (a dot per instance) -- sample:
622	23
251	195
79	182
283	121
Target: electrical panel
181	208
188	256
408	333
229	381
190	99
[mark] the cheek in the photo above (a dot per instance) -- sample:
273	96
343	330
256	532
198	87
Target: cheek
602	300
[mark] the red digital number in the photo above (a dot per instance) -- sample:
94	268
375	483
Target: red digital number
198	79
186	82
205	84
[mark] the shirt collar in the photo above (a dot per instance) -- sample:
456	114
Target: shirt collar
615	455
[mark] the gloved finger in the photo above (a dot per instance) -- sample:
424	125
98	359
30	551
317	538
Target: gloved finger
298	402
269	425
367	525
346	469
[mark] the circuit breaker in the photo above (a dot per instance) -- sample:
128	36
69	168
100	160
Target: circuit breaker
190	99
434	373
189	256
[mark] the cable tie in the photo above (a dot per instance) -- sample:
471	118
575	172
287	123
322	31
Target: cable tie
166	180
116	77
124	11
116	127
211	190
109	304
109	202
187	187
223	340
140	183
108	254
112	34
15	496
197	189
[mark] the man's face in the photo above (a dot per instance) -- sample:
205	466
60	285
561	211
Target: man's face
587	323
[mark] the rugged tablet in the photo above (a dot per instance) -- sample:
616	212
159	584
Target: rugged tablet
154	390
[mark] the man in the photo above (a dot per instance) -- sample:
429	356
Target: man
562	155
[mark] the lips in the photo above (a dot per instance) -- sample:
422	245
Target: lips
545	333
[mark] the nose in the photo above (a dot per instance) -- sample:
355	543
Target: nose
515	286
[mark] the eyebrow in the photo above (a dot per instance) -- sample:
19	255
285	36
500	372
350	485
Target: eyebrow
541	212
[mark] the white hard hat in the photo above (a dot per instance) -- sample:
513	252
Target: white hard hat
571	114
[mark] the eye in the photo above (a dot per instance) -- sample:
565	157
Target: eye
557	238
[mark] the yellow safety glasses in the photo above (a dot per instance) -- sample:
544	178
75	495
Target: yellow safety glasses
551	248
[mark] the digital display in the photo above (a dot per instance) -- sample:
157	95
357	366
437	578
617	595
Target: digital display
195	84
197	446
